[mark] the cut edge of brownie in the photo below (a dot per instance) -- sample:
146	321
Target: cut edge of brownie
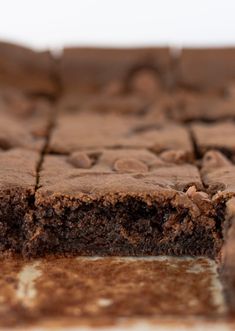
15	202
17	192
123	224
135	220
227	267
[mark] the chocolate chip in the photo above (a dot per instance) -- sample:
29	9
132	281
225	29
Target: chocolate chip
215	159
80	160
193	193
130	165
231	207
173	156
146	82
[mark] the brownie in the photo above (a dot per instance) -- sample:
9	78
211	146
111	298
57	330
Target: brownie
228	261
89	70
84	130
17	188
121	104
26	69
121	202
220	136
24	120
206	69
118	152
125	81
218	173
188	106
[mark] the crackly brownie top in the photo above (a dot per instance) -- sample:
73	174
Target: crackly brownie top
26	69
219	136
104	173
218	174
206	68
24	120
16	103
89	70
82	131
18	169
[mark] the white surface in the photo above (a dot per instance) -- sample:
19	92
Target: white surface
55	23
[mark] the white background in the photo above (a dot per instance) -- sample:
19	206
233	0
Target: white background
55	23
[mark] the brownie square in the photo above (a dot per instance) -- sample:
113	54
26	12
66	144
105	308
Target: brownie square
28	70
228	256
207	68
218	174
187	106
80	131
89	70
121	202
24	120
220	136
17	187
119	104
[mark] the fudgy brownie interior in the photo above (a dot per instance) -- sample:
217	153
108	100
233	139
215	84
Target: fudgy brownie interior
17	187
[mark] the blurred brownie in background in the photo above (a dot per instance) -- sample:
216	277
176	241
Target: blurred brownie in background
28	70
24	119
228	255
120	80
206	68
